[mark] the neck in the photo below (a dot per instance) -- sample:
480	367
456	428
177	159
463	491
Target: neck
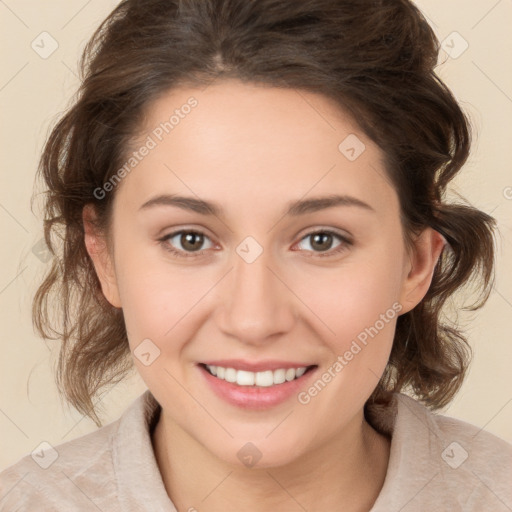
352	467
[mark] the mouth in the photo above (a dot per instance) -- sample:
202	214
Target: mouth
254	386
257	379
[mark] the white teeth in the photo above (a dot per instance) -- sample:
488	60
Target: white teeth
263	379
279	376
290	374
244	378
230	375
300	372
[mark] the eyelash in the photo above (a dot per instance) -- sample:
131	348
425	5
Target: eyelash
346	243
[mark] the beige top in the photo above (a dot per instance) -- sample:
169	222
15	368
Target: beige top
436	463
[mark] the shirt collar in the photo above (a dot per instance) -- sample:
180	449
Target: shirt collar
140	482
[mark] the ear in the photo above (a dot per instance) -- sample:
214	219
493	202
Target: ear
427	249
97	248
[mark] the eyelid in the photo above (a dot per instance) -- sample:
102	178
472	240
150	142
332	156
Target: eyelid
326	229
345	238
163	240
346	241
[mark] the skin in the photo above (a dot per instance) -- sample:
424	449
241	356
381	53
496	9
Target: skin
253	149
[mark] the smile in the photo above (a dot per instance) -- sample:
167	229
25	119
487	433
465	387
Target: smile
265	378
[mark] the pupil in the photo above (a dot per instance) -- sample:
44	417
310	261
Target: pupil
321	237
189	241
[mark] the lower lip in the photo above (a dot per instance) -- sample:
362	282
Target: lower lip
255	397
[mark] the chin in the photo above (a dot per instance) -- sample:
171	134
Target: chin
263	454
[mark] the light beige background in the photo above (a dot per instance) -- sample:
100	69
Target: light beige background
33	91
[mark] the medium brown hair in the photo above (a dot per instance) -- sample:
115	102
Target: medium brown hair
375	59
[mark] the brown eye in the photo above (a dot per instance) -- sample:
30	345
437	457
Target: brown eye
322	242
191	241
188	242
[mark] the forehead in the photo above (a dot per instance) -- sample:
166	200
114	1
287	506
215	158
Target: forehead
241	144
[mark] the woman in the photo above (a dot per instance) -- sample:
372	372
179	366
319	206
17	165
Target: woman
252	194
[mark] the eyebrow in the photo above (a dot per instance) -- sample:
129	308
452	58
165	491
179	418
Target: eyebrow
294	208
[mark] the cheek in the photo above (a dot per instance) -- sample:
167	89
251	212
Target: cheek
353	298
160	301
153	303
360	308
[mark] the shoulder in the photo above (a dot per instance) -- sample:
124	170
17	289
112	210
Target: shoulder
112	468
440	461
459	440
62	477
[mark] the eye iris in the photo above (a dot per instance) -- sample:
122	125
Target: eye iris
187	241
320	238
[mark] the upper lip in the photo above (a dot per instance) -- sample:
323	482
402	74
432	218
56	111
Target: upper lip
256	366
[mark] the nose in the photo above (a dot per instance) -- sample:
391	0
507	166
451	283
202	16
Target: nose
257	304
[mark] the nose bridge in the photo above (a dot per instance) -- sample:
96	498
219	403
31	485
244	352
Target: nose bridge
258	303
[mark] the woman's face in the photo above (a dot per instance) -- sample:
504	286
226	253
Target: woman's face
273	280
